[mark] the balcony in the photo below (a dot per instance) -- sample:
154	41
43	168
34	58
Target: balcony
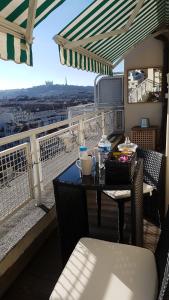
29	161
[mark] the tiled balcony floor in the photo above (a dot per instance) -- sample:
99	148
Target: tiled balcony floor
39	277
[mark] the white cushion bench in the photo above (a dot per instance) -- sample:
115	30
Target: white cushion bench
100	270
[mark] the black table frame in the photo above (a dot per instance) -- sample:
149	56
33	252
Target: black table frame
70	198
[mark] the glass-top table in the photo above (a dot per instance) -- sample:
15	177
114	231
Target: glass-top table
96	181
71	203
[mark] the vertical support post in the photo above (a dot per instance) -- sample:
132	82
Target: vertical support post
81	133
30	175
103	122
167	151
37	170
96	92
69	117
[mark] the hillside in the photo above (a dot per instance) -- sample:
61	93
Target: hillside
47	91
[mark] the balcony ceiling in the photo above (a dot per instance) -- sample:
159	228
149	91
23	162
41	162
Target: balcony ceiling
17	21
100	37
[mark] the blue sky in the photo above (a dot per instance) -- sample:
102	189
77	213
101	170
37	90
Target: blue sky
46	64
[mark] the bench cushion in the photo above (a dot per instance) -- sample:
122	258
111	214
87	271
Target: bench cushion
127	193
104	271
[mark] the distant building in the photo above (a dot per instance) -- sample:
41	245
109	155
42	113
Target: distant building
48	83
18	120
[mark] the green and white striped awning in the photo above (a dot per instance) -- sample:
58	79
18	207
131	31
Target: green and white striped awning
17	20
103	33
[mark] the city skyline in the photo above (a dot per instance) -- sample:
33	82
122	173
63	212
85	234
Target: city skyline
46	63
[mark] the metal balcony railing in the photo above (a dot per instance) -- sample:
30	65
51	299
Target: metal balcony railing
141	92
35	157
81	110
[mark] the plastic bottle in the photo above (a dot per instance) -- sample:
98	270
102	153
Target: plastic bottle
83	152
104	147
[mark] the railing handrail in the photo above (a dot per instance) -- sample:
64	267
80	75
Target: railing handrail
93	118
27	134
28	167
144	82
55	133
12	149
150	81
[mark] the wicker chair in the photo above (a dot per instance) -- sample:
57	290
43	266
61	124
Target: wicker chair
154	175
162	260
123	196
153	190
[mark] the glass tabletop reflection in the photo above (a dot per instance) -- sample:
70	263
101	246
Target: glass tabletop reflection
73	176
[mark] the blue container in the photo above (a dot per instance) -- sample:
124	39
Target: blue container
145	123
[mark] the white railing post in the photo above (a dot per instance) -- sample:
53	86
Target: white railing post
30	175
37	171
81	133
103	122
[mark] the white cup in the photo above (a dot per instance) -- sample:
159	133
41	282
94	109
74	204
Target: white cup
85	165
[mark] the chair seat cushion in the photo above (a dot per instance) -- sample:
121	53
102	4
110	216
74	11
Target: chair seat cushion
127	193
105	271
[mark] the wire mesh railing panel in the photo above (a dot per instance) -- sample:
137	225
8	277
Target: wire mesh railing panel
15	179
92	131
81	110
58	151
24	175
109	122
119	121
114	122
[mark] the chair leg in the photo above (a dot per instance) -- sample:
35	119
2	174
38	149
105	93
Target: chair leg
120	220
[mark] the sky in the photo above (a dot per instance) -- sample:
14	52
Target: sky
46	63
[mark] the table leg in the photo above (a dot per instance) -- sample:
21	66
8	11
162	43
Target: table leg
98	201
72	216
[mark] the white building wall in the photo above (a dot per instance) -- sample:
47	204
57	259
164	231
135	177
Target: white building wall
147	54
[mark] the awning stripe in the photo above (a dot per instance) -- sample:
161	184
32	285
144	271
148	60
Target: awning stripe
105	22
42	14
7	6
3	43
10	47
138	21
105	16
85	13
130	40
17	50
135	29
16	12
136	39
5	3
79	61
100	21
97	45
